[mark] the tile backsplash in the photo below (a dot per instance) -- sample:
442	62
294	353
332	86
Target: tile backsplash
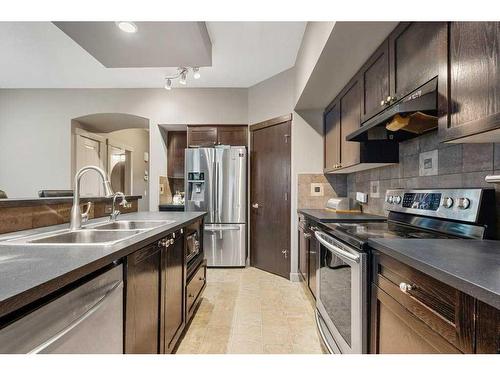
424	163
314	190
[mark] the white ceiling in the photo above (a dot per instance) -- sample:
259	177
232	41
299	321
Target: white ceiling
39	55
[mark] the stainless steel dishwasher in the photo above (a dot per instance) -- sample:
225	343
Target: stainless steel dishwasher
86	320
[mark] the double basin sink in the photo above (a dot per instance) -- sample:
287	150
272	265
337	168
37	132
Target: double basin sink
106	233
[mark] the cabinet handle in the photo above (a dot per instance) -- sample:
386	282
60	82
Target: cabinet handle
405	288
382	103
163	243
190	295
201	279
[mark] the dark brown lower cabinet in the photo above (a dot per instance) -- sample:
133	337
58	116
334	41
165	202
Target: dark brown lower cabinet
173	275
411	312
142	300
396	331
194	288
312	263
487	329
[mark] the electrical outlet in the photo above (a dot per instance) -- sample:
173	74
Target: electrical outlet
317	190
428	163
374	189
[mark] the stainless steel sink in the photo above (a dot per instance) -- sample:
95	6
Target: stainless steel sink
85	236
128	224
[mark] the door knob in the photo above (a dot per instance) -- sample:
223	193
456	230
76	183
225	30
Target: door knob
255	205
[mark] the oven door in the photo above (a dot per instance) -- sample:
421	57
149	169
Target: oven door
342	297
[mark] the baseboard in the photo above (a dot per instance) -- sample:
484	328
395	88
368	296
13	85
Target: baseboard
295	277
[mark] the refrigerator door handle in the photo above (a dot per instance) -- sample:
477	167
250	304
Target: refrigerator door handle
216	191
215	228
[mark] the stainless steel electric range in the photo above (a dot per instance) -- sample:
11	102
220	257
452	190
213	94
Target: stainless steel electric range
342	302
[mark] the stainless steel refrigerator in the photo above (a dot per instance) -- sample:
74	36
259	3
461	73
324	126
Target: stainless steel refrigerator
216	182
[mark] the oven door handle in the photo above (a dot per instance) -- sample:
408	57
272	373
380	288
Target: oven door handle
335	249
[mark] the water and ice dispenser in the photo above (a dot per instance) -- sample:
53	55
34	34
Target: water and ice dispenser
196	186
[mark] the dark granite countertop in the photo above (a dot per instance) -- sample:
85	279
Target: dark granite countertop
24	202
28	272
327	216
471	266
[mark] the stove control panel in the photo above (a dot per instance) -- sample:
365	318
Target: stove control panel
456	204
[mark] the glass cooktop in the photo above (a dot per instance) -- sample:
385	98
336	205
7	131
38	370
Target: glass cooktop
361	232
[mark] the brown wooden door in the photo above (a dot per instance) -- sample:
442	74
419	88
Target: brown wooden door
350	121
232	135
375	82
415	50
177	143
142	301
332	138
474	79
270	198
201	136
173	291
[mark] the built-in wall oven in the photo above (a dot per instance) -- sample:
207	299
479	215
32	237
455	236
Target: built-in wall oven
342	298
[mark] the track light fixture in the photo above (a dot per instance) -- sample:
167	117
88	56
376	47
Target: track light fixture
181	75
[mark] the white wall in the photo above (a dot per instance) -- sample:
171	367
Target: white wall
315	37
271	98
138	139
35	128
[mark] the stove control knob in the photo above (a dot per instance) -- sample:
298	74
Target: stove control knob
397	199
389	199
464	203
447	202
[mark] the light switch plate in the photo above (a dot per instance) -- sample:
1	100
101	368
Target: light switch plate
428	163
317	190
374	189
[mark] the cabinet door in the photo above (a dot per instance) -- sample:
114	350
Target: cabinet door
487	329
177	142
394	330
303	254
474	79
232	135
200	136
142	301
332	137
350	120
375	82
312	264
415	50
173	288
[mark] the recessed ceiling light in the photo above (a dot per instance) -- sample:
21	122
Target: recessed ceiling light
127	26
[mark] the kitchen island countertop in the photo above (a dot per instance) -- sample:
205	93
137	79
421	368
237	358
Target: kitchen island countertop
28	273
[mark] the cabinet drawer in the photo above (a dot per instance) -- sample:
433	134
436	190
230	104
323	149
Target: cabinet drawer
195	286
443	308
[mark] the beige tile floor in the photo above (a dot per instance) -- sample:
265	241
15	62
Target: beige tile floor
249	311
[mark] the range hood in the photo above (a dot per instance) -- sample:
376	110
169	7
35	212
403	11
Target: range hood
412	115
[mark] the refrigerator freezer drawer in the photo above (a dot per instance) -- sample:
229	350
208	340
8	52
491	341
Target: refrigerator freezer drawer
224	245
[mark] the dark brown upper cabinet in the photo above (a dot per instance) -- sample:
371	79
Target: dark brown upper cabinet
473	107
176	144
350	120
375	82
332	138
201	136
212	135
415	49
232	135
